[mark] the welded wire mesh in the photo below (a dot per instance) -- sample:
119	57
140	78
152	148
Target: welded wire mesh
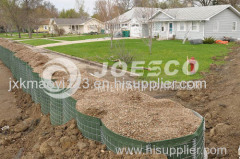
69	109
89	126
56	111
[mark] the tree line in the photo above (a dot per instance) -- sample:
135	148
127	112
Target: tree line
24	15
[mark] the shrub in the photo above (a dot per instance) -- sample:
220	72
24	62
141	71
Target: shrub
59	31
126	57
209	40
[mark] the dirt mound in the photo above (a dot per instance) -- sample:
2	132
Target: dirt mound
139	116
35	60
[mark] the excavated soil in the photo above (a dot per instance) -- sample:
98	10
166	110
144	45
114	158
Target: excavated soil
139	116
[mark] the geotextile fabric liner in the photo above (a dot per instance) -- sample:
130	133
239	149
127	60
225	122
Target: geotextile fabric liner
63	110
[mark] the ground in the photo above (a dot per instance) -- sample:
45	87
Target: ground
162	50
8	103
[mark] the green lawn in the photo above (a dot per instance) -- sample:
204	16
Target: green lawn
81	37
162	50
37	42
34	35
23	35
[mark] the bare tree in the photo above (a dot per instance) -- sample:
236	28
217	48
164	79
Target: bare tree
5	23
144	17
124	5
109	13
13	12
32	18
205	2
80	9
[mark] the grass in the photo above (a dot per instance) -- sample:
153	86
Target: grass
162	50
23	35
26	36
81	37
37	42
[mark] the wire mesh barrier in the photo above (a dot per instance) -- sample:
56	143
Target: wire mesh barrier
63	110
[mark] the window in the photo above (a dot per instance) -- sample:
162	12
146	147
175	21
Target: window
135	25
181	26
194	26
45	27
216	26
163	28
234	26
157	26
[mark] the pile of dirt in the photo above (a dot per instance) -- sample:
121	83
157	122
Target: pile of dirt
14	47
139	116
35	60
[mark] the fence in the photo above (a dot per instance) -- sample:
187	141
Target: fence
63	110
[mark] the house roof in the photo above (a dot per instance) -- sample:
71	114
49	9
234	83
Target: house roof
136	13
195	13
44	22
70	21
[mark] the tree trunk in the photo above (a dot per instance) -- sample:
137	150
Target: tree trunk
112	40
150	39
19	32
11	31
30	32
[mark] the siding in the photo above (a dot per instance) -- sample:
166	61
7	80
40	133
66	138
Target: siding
192	34
179	34
93	26
225	20
162	17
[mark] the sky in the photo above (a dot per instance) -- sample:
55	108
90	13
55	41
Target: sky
69	4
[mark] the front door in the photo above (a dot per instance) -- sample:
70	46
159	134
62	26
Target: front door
170	30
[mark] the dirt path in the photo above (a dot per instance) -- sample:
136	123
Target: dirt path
8	109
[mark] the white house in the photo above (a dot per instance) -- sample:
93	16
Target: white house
134	20
197	22
76	25
191	22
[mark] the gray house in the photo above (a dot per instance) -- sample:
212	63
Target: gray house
197	22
